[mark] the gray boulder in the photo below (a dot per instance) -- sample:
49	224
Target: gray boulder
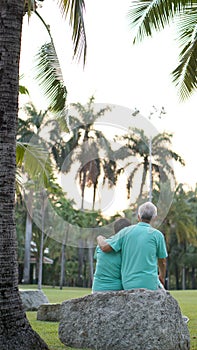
32	299
126	320
49	312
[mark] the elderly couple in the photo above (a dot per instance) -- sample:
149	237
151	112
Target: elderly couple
133	257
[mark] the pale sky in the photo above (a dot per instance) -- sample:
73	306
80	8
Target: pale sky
116	72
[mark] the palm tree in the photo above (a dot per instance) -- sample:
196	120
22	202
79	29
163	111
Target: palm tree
180	229
90	148
149	16
29	130
31	126
32	131
37	166
15	329
180	218
137	143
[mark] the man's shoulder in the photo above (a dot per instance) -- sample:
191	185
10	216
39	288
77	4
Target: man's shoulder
126	230
157	232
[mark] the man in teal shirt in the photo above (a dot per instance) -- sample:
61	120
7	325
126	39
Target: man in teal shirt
143	250
107	274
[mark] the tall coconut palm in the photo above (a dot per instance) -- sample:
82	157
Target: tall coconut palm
179	224
15	328
149	16
33	130
29	132
90	148
180	219
36	166
16	332
137	142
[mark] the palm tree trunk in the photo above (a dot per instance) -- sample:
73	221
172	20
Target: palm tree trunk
91	260
177	276
16	332
80	263
183	278
63	260
83	183
184	269
28	238
193	278
150	169
62	271
94	194
43	202
144	174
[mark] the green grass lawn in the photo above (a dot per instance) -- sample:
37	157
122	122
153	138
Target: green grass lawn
49	330
187	300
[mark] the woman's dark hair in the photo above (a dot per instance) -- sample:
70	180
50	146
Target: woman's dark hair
120	223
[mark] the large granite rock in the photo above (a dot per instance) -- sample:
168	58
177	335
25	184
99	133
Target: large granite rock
49	312
125	320
32	299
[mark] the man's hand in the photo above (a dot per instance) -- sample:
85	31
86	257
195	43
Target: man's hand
105	247
162	280
162	270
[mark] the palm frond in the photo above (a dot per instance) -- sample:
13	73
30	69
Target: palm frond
35	161
19	181
23	90
50	77
34	118
29	6
75	9
79	119
149	16
161	138
146	17
130	179
176	157
86	115
102	111
62	121
122	153
184	76
110	173
70	152
103	143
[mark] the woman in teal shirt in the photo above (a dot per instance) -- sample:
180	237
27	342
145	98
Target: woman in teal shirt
107	276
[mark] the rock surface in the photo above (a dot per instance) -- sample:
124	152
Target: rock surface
32	299
49	312
124	320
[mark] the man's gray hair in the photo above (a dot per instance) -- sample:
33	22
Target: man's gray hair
147	211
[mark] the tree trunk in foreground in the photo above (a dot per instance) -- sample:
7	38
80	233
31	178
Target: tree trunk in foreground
28	238
15	330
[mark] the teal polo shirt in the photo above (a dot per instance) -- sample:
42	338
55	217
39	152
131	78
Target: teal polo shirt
140	245
107	274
